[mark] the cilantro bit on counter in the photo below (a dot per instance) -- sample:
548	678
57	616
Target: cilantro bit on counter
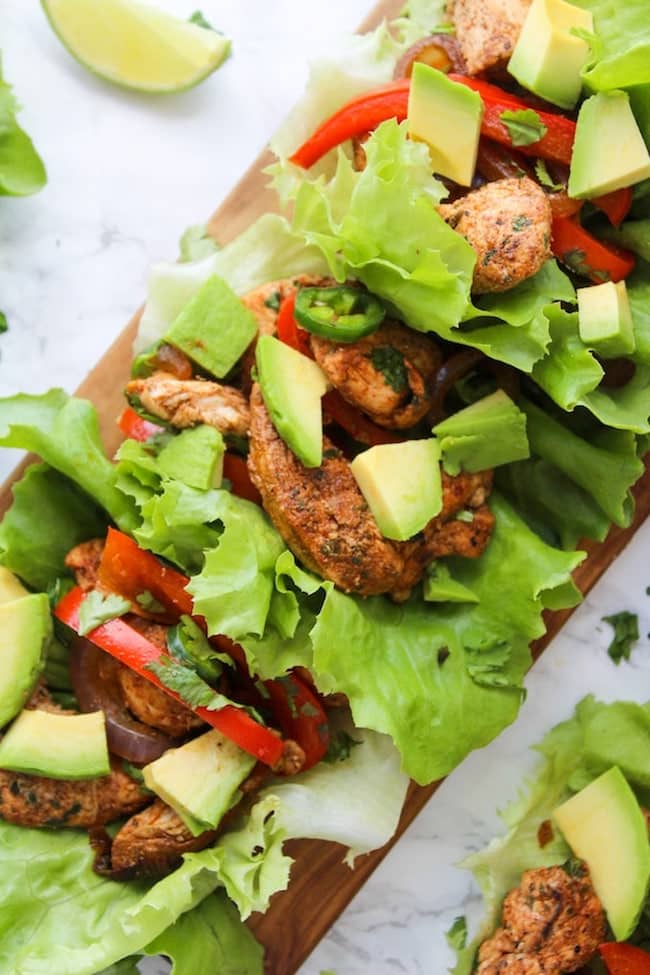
457	934
626	634
4	325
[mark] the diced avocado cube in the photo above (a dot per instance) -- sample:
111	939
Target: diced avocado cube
486	434
548	57
59	746
25	633
195	457
292	386
402	484
604	826
609	152
605	319
214	329
10	587
447	116
201	779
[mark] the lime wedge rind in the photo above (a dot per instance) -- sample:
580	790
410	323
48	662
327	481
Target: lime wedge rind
136	46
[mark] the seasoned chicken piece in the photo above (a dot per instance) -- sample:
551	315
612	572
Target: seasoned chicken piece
387	374
186	402
33	800
487	31
146	701
508	224
84	561
552	924
152	706
323	517
153	842
292	759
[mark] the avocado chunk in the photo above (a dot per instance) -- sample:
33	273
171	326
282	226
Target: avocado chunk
447	116
609	152
605	319
214	328
201	779
292	386
548	57
402	484
59	746
488	433
10	587
195	457
604	826
25	634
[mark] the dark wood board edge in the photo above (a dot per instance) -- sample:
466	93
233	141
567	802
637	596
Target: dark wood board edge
301	916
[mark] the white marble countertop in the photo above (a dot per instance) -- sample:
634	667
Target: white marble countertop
127	174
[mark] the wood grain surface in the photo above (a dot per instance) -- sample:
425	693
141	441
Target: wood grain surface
321	886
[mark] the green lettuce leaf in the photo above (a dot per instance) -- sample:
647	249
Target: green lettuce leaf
605	466
21	169
310	804
58	917
573	754
571	375
210	940
66	516
414	666
64	431
357	63
266	251
425	272
620	54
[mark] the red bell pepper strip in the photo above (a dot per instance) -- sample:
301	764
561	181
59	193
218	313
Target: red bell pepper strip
127	569
133	649
358	426
584	254
289	331
235	470
615	205
300	715
622	959
557	142
136	427
358	116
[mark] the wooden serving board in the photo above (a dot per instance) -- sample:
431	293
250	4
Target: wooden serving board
321	886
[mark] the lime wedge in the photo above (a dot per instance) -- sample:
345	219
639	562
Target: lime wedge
135	45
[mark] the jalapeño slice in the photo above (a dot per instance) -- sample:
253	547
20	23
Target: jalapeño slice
341	314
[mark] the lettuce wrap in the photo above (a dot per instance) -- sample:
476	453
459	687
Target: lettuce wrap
429	680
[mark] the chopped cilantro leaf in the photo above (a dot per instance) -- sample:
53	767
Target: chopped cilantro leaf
4	325
390	362
457	934
190	688
520	223
273	301
340	746
524	126
149	603
199	19
544	176
97	609
626	634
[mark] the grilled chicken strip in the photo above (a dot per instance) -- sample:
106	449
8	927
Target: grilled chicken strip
33	800
153	842
84	561
146	701
552	924
387	374
487	31
324	519
186	402
508	224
